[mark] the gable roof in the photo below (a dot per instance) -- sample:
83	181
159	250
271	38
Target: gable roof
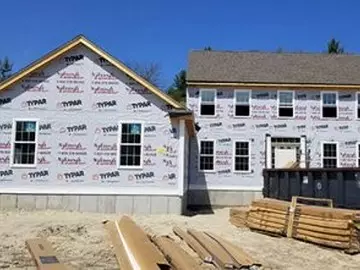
253	68
48	58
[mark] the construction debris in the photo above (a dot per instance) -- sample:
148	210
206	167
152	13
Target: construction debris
44	255
332	227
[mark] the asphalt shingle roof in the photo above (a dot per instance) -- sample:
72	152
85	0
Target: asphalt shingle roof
263	67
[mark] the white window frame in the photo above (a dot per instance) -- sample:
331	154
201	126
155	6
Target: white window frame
357	105
322	152
13	134
357	154
322	104
234	156
214	161
278	103
215	102
141	145
236	103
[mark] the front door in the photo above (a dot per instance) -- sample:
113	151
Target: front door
284	157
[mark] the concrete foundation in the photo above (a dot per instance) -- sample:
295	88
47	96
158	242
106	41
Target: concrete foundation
221	198
121	204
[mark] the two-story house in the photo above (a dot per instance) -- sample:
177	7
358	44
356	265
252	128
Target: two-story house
268	110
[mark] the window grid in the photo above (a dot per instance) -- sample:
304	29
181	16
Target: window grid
242	103
206	156
24	146
130	145
286	103
329	155
207	102
329	105
242	156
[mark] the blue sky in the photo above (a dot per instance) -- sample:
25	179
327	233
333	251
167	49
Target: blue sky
165	31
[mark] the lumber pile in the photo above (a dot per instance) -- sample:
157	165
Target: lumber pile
332	227
134	249
238	216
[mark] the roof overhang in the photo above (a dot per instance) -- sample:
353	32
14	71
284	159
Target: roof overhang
186	115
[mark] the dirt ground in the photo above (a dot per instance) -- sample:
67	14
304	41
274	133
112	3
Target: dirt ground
81	242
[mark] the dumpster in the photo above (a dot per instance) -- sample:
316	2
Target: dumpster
342	185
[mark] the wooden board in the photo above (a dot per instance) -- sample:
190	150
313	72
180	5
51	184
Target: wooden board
194	244
238	254
267	210
118	246
269	218
291	217
266	228
44	255
252	220
324	236
240	223
322	222
221	257
342	245
176	256
331	231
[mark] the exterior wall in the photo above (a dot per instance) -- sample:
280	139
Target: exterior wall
224	128
79	100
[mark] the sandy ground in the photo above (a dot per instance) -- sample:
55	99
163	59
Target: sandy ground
81	242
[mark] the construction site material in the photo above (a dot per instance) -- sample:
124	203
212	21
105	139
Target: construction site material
327	226
140	252
44	255
194	244
238	216
176	256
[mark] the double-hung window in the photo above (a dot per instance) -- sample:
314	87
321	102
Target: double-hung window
24	142
286	103
242	156
329	154
207	155
358	105
130	145
358	154
329	104
207	102
242	102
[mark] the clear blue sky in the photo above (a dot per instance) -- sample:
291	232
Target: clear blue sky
165	31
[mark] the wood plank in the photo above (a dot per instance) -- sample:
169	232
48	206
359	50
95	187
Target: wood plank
291	216
194	244
236	252
261	222
310	199
324	236
341	232
272	204
266	228
141	252
267	217
117	244
325	212
221	257
267	210
238	222
323	222
270	214
342	245
176	256
44	255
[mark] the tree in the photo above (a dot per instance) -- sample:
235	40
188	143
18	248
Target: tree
334	47
149	71
5	69
207	48
178	89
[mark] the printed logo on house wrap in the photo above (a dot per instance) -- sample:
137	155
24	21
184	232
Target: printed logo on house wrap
143	106
149	162
103	149
170	178
35	104
238	126
299	127
71	161
37	176
70	105
72	176
42	160
75	59
142	178
102	78
107	105
349	144
45	129
37	77
264	95
75	130
39	88
104	90
137	90
262	126
149	150
64	89
301	96
150	131
4	101
5	159
105	161
6	175
169	163
280	127
65	77
110	130
343	128
223	141
5	147
71	149
323	127
107	177
345	97
103	62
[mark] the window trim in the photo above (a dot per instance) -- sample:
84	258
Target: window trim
235	103
278	103
234	156
215	102
357	106
322	152
123	167
322	104
13	134
357	154
214	161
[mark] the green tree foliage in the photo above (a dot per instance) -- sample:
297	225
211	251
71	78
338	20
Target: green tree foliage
178	89
334	47
5	69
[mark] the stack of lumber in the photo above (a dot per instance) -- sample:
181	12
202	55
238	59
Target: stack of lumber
238	216
332	227
134	249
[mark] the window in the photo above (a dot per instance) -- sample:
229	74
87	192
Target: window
329	155
329	105
242	103
242	156
24	142
207	156
358	105
130	145
207	102
358	154
286	103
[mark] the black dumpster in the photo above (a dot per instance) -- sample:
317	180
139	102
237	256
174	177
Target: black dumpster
342	185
